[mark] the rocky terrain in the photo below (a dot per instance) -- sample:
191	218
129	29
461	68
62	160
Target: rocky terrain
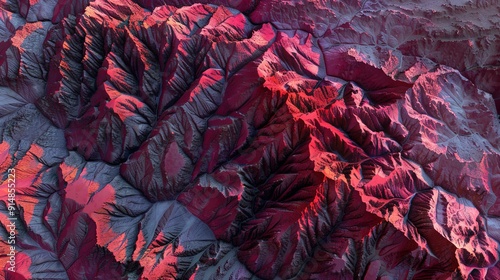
269	139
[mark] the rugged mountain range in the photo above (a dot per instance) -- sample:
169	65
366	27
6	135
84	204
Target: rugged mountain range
267	139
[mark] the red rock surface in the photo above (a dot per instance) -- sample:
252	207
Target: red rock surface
251	139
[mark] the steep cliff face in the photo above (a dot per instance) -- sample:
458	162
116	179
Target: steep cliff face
250	139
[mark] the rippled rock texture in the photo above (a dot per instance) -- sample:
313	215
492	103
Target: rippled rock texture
262	139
